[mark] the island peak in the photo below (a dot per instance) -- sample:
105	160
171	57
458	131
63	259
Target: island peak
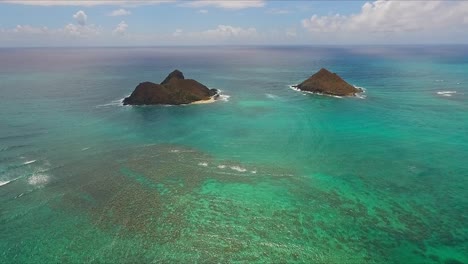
174	90
327	82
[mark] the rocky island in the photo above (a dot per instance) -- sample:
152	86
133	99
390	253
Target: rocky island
174	90
326	82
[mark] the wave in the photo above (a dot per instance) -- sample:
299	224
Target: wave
221	166
204	164
271	96
360	95
29	162
446	93
224	97
118	102
237	168
6	182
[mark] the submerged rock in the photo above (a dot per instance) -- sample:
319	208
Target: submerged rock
174	90
326	82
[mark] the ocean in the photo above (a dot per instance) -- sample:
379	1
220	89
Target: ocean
266	175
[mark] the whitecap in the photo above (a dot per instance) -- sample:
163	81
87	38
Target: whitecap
174	151
239	169
5	182
446	93
272	96
204	164
253	172
83	149
118	102
357	95
38	179
29	162
224	97
221	166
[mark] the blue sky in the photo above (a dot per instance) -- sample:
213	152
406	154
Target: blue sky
208	22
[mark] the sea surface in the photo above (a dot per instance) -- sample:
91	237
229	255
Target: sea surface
266	175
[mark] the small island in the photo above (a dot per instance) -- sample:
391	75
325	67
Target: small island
174	90
326	82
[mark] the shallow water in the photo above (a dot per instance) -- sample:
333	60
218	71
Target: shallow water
268	175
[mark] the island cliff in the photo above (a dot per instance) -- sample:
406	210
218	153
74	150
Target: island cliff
326	82
174	90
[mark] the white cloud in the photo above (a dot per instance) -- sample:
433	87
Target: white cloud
27	29
177	33
277	11
67	30
226	4
86	2
383	16
121	28
291	32
225	31
78	31
120	12
202	11
81	17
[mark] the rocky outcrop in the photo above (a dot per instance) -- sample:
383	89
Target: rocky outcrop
326	82
174	90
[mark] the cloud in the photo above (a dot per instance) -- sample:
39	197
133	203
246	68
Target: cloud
68	30
291	32
277	11
86	2
120	12
383	16
27	29
78	31
219	34
81	17
225	31
226	4
177	33
121	28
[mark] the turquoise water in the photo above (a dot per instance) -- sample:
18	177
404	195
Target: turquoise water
268	175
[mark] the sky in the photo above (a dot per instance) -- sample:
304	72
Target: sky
213	22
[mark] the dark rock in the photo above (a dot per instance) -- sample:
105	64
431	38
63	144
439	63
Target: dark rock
326	82
174	90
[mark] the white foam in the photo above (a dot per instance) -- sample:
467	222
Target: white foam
357	95
272	96
204	164
439	80
446	93
239	169
29	162
38	179
224	97
118	102
5	182
83	149
253	172
221	166
174	151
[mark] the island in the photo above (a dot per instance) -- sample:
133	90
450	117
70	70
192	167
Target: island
326	82
174	90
